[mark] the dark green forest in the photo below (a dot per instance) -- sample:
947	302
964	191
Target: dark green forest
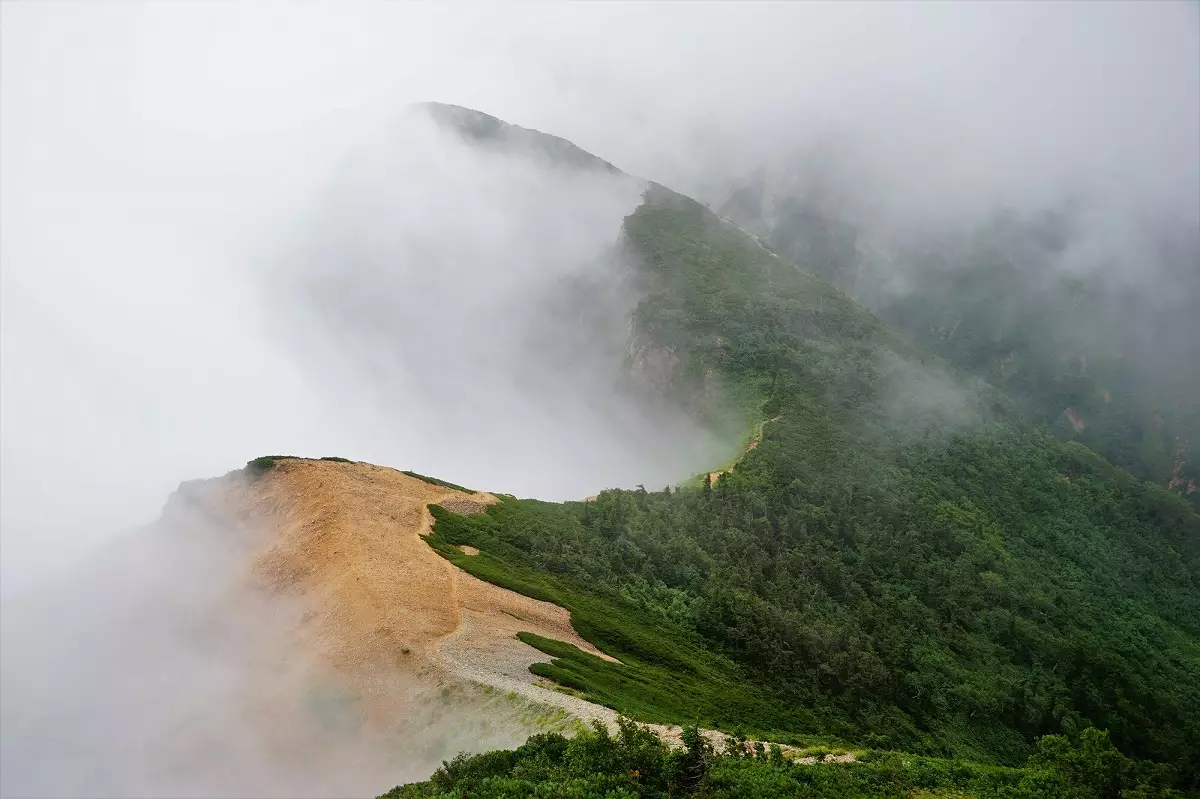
1099	357
1107	365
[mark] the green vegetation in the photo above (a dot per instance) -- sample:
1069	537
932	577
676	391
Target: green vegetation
1101	365
667	673
1101	361
905	561
263	464
635	763
437	482
260	465
930	642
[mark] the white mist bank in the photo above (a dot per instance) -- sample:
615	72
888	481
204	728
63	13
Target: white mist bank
155	670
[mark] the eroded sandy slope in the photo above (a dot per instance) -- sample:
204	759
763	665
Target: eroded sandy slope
344	542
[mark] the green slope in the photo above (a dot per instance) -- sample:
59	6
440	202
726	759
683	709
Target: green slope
1101	359
905	561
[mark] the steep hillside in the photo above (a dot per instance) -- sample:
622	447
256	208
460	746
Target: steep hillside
906	558
1097	348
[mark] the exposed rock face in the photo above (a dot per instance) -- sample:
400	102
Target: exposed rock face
653	366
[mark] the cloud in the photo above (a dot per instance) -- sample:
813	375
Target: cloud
473	303
154	671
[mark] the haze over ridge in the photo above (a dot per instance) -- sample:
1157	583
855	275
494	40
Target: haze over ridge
174	149
222	236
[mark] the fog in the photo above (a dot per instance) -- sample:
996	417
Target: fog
470	307
155	158
156	670
224	234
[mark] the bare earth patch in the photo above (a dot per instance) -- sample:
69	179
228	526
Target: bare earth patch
344	541
465	507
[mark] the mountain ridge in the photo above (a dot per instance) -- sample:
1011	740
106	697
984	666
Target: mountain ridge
489	131
876	435
904	562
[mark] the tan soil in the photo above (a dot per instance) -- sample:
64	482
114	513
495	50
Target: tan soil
466	507
374	601
467	549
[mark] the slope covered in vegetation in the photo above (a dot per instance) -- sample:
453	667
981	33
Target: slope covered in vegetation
1102	361
635	763
903	562
906	561
1103	358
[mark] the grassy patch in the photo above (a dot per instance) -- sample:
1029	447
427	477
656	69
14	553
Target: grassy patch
435	481
666	675
263	464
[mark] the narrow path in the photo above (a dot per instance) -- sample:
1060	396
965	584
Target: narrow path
714	476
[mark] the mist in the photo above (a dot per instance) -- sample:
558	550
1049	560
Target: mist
155	669
473	302
224	233
157	159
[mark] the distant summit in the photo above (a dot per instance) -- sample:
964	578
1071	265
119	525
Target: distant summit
485	129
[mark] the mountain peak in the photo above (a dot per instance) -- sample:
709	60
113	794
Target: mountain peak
486	130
